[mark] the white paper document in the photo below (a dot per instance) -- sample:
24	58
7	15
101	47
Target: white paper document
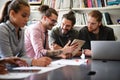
15	75
54	65
21	74
70	62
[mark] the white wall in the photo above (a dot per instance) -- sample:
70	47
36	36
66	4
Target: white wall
2	3
117	32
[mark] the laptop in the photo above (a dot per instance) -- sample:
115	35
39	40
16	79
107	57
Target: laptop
105	50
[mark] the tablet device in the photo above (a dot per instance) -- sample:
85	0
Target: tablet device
80	44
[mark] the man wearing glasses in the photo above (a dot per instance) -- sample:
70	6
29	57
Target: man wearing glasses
36	36
59	36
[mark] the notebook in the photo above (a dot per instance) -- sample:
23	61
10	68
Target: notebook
105	50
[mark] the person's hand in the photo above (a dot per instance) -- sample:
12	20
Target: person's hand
3	69
78	53
15	60
87	52
65	56
11	60
43	61
55	46
68	55
69	48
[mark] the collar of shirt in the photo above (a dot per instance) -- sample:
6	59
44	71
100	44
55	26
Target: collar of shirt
42	27
11	26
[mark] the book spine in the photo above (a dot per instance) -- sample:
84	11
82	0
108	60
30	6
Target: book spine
89	3
108	19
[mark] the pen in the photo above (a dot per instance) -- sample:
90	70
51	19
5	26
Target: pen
17	54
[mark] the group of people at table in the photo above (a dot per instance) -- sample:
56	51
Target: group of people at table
33	46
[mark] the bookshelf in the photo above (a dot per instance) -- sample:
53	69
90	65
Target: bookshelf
35	3
34	13
112	10
99	8
109	8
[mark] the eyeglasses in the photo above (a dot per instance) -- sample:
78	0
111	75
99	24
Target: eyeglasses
53	21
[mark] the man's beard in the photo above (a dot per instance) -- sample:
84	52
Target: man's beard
91	30
50	26
62	33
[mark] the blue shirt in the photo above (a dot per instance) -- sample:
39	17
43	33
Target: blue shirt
105	33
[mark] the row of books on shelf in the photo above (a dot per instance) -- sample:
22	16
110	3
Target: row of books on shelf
35	2
113	2
94	3
68	4
89	3
81	18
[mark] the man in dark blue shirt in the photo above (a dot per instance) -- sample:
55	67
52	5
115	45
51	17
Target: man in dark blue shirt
95	31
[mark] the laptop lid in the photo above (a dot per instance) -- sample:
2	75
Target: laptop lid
105	50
